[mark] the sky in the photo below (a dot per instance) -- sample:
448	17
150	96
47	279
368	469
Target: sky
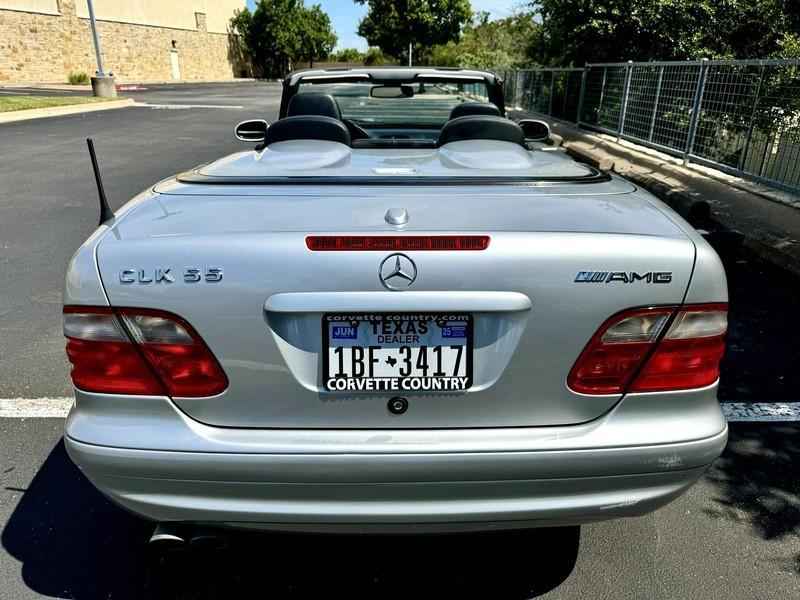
345	15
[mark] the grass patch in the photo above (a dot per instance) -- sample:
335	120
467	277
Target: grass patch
78	78
11	103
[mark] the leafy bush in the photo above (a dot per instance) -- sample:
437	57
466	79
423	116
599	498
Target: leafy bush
78	78
348	55
373	56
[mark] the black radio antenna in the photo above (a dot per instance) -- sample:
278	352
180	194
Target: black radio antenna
105	212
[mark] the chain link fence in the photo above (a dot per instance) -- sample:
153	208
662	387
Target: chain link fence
742	117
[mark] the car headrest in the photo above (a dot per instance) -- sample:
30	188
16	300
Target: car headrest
314	103
480	127
474	108
307	127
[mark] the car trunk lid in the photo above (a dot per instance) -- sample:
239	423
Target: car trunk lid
531	313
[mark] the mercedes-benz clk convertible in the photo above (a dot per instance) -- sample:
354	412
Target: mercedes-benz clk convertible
397	310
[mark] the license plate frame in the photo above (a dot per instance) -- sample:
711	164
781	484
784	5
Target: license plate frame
394	384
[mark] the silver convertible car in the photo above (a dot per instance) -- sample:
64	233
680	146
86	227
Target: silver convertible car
401	311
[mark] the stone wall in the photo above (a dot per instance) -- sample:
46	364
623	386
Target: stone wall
39	47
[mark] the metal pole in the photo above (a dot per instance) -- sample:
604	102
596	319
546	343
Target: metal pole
534	75
767	149
409	50
655	103
623	109
101	68
602	94
552	89
698	99
580	96
746	147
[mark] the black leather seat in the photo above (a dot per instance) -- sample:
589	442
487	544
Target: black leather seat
314	103
307	127
478	127
325	105
466	109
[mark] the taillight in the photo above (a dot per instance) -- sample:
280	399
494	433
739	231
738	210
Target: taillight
689	354
631	352
139	351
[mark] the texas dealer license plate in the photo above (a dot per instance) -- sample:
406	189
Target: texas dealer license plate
379	352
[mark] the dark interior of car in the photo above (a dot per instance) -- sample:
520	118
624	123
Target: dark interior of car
315	115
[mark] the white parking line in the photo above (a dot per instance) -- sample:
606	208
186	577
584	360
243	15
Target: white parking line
34	407
761	411
185	106
735	411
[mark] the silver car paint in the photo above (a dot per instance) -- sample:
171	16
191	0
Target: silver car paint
597	457
273	357
152	459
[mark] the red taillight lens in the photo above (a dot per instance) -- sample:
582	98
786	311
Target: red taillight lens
628	353
102	357
616	351
689	355
164	357
398	242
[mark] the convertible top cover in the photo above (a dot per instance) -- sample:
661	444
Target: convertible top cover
327	161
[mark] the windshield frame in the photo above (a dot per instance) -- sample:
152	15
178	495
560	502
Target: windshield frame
392	76
427	105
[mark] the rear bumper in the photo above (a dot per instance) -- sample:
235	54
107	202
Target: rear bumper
248	500
161	465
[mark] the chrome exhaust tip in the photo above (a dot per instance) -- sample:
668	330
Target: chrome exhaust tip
205	539
167	537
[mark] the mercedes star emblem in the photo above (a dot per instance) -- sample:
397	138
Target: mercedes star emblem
397	272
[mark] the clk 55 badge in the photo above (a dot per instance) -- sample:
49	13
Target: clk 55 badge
165	275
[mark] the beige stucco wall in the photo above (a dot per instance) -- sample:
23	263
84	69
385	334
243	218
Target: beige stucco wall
178	14
35	46
39	6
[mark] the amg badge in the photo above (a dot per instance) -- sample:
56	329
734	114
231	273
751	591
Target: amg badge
623	277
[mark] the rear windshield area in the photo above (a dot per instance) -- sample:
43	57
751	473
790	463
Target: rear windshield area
418	104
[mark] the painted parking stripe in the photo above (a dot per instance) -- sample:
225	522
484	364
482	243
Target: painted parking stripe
35	407
734	411
761	411
185	106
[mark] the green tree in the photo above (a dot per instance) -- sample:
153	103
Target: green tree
279	32
394	25
504	43
316	37
579	31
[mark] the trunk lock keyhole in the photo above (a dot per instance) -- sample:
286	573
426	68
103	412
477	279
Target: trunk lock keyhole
398	405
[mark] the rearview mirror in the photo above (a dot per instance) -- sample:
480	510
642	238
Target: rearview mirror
391	91
252	131
534	130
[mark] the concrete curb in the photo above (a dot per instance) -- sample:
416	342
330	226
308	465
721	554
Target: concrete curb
70	87
58	111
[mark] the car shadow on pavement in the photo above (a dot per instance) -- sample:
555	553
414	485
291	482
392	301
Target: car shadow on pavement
758	480
761	362
73	543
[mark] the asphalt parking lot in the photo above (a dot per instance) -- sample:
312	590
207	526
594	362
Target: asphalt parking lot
734	535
